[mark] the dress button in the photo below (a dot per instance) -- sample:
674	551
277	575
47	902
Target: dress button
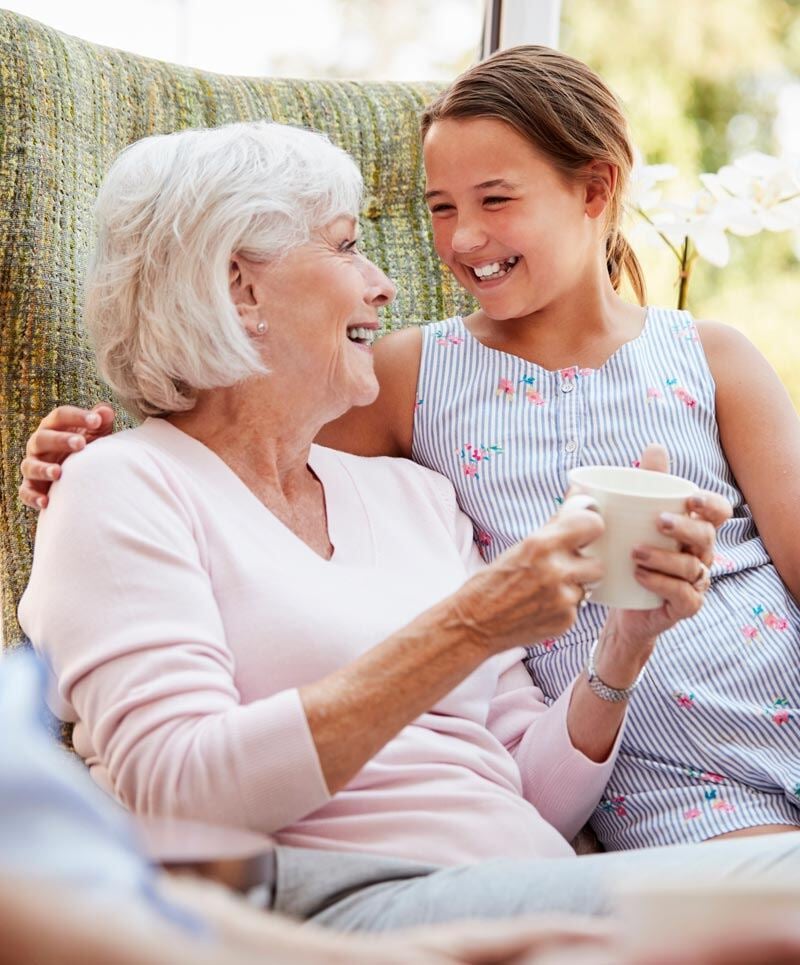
571	446
567	386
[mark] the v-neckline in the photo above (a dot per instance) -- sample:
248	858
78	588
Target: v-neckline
347	523
618	352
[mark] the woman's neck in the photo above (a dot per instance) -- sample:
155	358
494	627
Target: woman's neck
267	447
257	438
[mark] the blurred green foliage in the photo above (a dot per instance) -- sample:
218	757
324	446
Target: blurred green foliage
701	83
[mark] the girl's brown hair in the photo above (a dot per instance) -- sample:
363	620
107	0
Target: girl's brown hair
561	107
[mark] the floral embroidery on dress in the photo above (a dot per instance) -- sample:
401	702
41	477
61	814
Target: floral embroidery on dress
505	387
681	393
778	711
442	339
573	371
549	644
725	562
418	403
711	795
686	330
472	456
770	620
653	394
614	805
636	463
750	632
707	777
682	699
534	396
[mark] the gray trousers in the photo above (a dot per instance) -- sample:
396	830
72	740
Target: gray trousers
352	892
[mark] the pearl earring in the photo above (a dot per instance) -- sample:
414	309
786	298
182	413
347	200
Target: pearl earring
261	327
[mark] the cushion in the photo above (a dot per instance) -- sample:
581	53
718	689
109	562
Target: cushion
68	108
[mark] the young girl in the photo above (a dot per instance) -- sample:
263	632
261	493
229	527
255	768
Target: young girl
527	158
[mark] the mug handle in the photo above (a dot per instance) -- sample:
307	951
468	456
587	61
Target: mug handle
578	501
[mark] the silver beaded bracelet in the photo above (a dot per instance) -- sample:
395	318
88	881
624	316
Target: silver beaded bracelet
602	690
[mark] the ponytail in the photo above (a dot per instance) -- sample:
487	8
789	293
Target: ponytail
620	259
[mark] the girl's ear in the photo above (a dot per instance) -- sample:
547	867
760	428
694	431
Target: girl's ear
601	183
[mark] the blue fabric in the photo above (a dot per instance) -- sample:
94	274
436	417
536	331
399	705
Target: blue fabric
712	742
55	824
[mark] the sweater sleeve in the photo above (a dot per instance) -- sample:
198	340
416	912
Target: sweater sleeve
121	603
562	783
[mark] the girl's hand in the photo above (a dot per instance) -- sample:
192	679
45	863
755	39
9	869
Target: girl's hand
679	576
63	431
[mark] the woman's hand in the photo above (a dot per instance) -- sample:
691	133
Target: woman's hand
533	590
63	431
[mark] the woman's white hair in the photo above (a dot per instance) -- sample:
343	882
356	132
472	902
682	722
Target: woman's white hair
171	212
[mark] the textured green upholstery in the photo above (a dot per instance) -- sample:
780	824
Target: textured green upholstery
67	107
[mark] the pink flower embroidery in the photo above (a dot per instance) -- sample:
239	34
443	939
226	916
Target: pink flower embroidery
549	643
723	561
533	396
723	806
506	387
483	538
472	456
442	339
691	814
750	632
711	777
687	330
653	394
686	397
775	622
615	805
573	371
683	699
636	463
779	712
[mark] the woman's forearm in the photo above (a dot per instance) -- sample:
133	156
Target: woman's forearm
594	723
355	711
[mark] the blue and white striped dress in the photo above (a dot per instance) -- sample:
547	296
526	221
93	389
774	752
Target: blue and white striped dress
712	742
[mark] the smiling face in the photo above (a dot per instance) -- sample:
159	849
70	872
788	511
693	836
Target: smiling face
509	226
320	303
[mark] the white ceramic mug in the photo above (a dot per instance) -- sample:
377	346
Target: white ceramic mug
630	502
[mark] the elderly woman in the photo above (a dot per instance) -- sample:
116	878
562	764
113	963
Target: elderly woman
252	630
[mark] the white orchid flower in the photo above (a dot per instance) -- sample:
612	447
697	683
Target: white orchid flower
766	186
643	193
757	192
703	222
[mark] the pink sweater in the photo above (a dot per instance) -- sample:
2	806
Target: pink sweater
179	617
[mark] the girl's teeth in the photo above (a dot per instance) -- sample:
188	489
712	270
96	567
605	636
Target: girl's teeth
497	268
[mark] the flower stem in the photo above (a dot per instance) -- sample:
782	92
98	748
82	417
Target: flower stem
687	263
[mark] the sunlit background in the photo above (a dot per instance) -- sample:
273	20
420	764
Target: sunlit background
703	83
